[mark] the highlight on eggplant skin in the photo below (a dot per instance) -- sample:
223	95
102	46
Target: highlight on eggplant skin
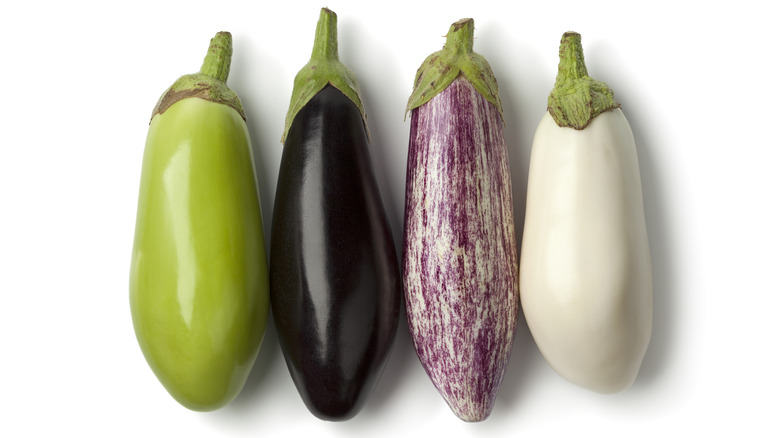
199	293
334	274
460	262
335	280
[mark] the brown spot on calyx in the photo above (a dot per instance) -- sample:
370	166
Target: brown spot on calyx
212	92
173	96
460	23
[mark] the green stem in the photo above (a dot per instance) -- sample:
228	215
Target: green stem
576	98
326	38
460	38
572	61
216	64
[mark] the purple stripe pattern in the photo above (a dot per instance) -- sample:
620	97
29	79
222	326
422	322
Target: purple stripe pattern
460	263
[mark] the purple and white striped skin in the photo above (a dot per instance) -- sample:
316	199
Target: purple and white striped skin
460	263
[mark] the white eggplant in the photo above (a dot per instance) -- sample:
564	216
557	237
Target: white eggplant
585	274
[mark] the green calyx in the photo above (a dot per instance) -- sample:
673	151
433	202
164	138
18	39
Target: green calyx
208	84
456	58
323	69
576	98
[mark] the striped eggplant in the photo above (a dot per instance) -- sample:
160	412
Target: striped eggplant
586	281
335	281
460	264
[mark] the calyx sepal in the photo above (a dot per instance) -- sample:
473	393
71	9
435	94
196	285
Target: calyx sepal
208	84
323	69
456	58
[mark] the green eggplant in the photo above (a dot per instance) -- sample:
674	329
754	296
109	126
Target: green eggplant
199	293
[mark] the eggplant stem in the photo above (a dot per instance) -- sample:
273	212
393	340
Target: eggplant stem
571	63
210	83
460	38
326	41
456	58
216	64
323	69
576	98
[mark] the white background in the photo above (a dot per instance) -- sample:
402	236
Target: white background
697	81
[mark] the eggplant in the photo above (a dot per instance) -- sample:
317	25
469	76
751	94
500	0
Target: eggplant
335	280
586	288
459	263
199	276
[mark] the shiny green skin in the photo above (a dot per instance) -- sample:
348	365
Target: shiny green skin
199	280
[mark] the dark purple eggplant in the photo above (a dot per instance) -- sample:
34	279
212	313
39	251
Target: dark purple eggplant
335	279
460	265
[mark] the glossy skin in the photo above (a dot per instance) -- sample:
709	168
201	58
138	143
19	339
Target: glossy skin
585	275
335	280
199	282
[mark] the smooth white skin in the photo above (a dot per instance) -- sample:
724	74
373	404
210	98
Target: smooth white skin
585	275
